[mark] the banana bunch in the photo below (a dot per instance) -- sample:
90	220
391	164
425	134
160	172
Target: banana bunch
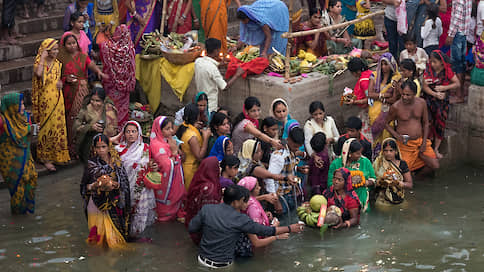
309	57
309	212
277	63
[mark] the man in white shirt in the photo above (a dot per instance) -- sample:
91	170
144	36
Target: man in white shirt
208	78
480	18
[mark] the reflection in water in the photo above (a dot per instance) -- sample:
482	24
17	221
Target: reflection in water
439	229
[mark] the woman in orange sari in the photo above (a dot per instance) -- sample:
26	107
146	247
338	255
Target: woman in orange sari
74	79
214	19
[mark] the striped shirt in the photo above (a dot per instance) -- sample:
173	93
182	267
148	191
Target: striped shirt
461	17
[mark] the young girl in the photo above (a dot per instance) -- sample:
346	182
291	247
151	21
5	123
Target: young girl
320	122
408	69
230	167
439	79
269	127
432	29
77	26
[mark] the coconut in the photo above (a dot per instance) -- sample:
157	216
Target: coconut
332	216
316	202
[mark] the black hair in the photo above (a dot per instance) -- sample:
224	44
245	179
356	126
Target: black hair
297	135
409	64
95	47
129	124
393	144
389	80
357	65
268	122
235	192
249	103
313	11
99	92
433	13
241	15
436	55
190	116
409	38
332	3
278	102
355	146
166	122
100	137
315	105
74	17
354	123
218	119
318	142
230	161
212	44
67	37
221	108
202	97
410	84
226	144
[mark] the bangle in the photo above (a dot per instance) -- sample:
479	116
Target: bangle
133	14
184	16
289	229
195	20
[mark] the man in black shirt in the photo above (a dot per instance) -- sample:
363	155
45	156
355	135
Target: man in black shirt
222	224
353	130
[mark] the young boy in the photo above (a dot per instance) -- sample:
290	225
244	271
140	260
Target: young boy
318	164
230	167
207	76
353	130
417	54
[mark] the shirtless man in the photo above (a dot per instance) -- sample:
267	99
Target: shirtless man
411	116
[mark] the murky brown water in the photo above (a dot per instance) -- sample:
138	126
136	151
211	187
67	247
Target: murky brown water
440	229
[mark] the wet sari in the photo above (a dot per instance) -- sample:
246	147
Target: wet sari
205	189
48	110
361	171
107	211
350	201
378	111
75	92
17	167
150	11
214	20
388	177
118	58
438	109
361	92
168	182
86	118
135	160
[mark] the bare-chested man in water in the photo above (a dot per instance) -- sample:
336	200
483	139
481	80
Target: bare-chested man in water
411	116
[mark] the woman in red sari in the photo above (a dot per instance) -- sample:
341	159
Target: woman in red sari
204	189
117	56
445	15
74	79
179	16
168	181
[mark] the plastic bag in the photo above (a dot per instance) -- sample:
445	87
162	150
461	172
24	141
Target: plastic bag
401	12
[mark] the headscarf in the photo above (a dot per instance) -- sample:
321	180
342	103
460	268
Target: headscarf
15	124
331	193
62	49
132	156
118	57
204	115
271	110
204	189
346	150
47	44
268	12
218	149
444	77
388	57
246	153
290	124
254	208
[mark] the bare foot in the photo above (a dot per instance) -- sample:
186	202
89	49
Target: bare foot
438	155
50	167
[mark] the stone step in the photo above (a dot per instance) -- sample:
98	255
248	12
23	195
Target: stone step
28	46
16	70
35	25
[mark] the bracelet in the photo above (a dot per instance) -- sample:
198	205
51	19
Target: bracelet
133	14
289	229
195	20
184	16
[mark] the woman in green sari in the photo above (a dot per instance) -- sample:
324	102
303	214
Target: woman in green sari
17	167
362	173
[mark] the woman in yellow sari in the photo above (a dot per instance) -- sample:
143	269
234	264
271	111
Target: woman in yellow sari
213	18
381	95
17	166
392	173
48	106
106	16
194	144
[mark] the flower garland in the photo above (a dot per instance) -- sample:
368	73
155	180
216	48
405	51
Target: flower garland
358	179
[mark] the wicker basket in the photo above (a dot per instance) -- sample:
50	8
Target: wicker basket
182	58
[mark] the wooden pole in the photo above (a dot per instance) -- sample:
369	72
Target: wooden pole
327	28
288	47
163	18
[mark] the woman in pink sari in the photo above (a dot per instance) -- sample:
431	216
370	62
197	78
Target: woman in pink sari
168	181
117	55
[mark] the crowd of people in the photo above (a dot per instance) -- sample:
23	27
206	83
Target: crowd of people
228	179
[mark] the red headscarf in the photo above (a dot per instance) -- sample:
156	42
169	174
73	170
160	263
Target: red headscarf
442	78
204	189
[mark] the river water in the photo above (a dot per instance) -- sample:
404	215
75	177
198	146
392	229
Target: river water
439	229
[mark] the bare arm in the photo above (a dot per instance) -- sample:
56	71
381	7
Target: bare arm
198	152
256	242
250	128
188	8
371	90
263	173
267	41
407	180
237	2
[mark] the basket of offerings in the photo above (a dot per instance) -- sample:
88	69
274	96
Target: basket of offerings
181	49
